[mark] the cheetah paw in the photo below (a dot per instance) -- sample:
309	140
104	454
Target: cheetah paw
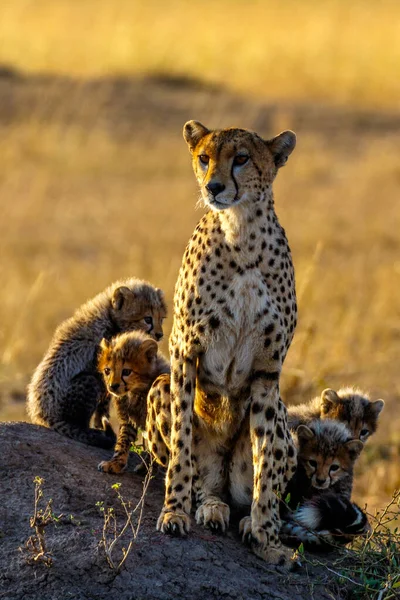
274	555
173	523
111	466
214	514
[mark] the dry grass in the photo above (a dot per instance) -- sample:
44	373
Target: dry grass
331	50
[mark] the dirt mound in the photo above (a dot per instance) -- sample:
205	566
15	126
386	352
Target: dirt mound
202	566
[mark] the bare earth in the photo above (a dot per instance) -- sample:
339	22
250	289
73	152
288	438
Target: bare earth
202	566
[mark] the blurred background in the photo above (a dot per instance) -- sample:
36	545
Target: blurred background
96	181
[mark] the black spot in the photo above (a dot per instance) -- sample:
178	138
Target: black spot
214	322
188	389
256	408
270	413
259	431
278	454
179	487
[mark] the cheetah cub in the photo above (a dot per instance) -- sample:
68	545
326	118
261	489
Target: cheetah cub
129	362
320	491
351	406
66	389
326	453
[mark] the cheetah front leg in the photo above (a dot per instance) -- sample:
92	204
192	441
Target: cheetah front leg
272	465
175	515
209	480
126	435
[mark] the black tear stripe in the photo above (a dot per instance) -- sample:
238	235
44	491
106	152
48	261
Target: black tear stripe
257	168
233	178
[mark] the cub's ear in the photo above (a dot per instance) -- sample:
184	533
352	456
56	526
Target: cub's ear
377	407
149	349
193	131
304	432
354	448
120	295
328	399
104	344
161	296
282	146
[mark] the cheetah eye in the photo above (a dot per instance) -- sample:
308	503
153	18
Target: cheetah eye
364	433
334	468
313	463
240	159
107	371
126	372
148	320
204	159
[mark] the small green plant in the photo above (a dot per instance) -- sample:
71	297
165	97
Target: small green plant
35	548
118	538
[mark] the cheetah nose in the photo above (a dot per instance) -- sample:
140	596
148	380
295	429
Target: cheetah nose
159	336
114	387
320	481
215	188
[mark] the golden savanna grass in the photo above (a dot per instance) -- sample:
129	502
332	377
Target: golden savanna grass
332	50
96	182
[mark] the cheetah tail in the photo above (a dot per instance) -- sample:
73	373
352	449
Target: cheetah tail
324	522
93	437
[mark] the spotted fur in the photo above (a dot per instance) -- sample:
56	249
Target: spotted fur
351	406
129	363
66	389
234	318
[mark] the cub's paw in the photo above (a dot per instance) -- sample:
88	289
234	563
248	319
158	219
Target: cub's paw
111	466
245	530
214	514
173	522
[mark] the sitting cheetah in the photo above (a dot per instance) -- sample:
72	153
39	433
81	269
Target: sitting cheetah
234	318
66	389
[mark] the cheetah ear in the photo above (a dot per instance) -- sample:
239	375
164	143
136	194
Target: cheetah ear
282	146
377	407
149	349
304	432
161	296
104	344
354	448
119	296
328	399
193	131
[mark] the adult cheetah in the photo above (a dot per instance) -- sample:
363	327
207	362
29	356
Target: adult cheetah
234	318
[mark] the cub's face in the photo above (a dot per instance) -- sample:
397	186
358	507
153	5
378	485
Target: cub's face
353	409
127	364
139	312
234	166
325	464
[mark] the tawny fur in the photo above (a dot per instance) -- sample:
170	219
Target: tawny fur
350	405
66	389
326	454
129	363
234	318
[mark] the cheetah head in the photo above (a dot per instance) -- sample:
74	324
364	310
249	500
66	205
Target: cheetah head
235	166
127	362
